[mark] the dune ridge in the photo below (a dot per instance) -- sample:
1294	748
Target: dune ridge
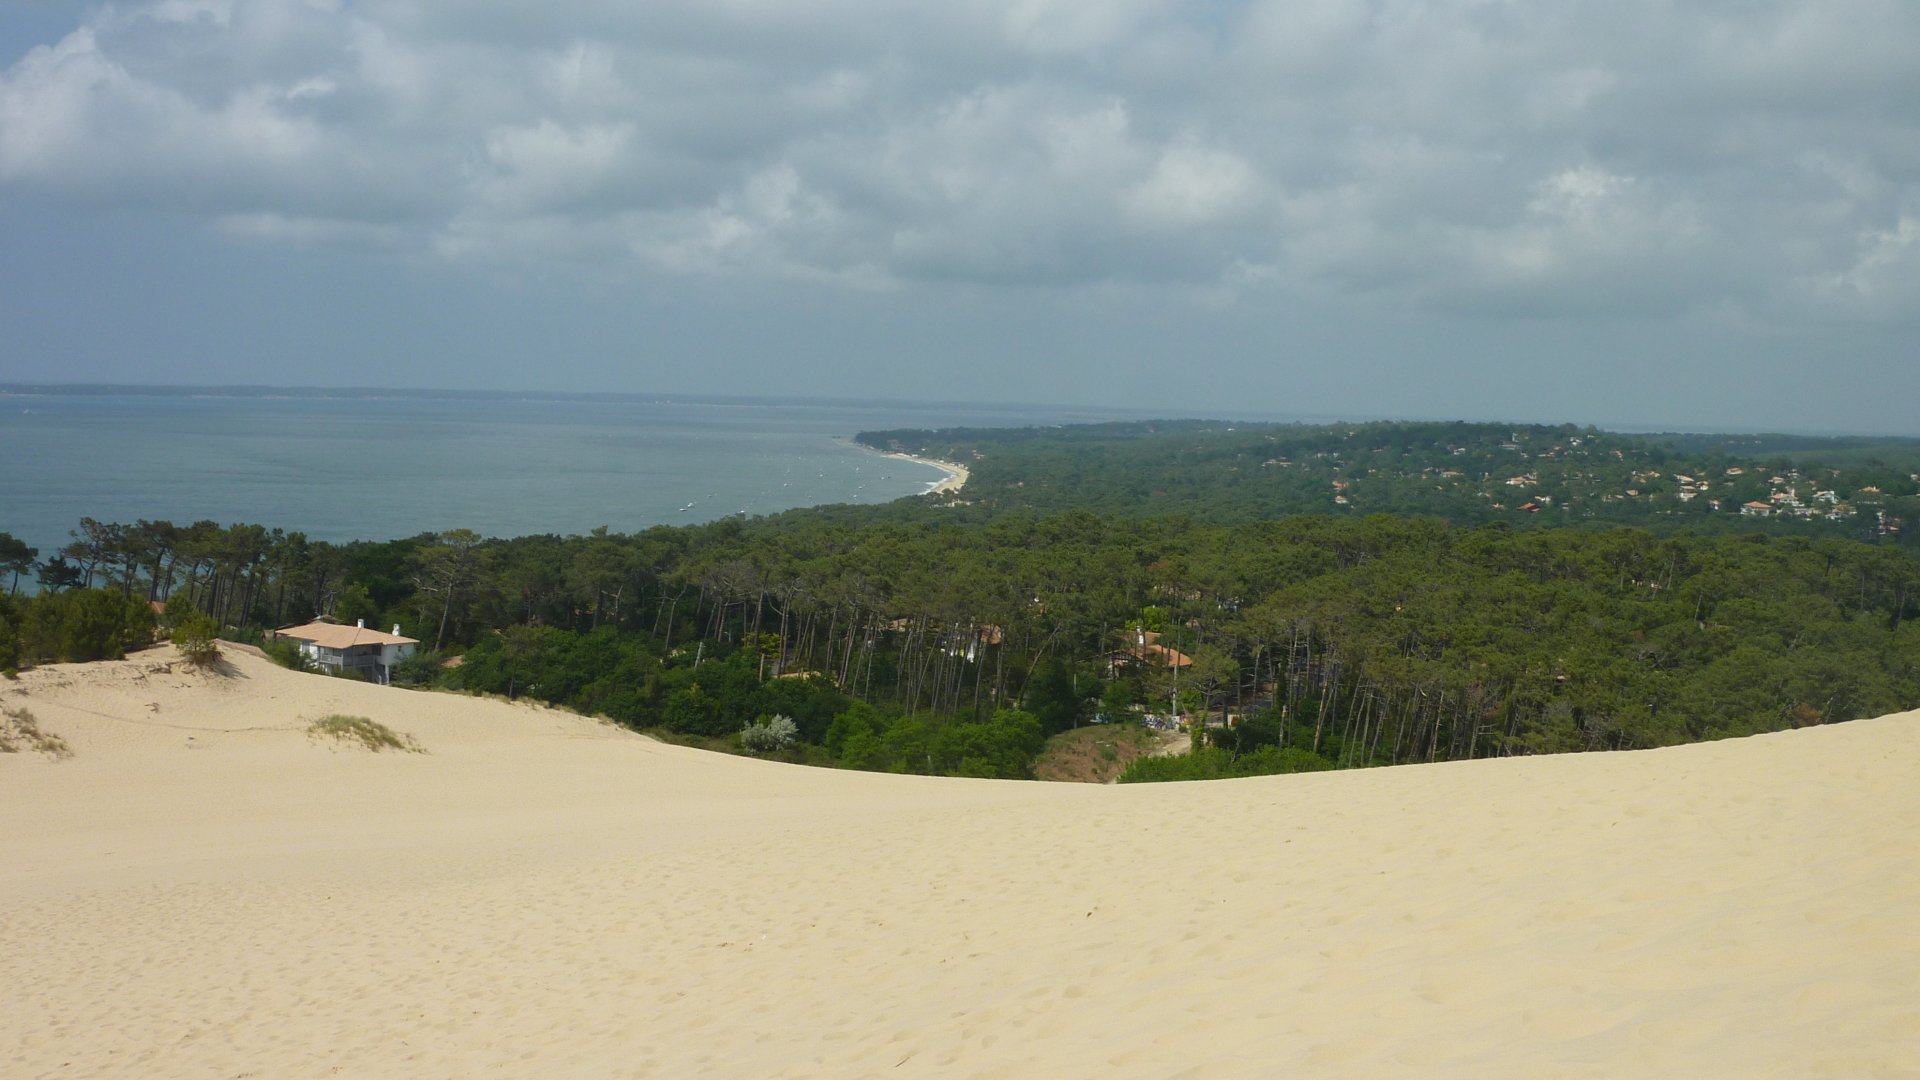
202	889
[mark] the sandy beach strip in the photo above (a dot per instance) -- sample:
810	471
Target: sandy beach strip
956	473
955	479
203	889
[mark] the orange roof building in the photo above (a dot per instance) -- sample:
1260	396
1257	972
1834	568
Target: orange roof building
340	648
1147	649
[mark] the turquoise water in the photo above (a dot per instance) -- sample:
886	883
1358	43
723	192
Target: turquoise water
376	469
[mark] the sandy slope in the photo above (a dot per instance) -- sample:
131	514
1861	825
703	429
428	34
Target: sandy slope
203	891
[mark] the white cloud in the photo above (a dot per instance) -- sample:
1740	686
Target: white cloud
1883	280
1585	225
1588	156
44	107
71	115
1195	186
543	166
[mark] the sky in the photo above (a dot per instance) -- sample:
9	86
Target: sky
1620	212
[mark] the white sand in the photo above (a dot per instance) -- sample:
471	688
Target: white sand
956	478
203	891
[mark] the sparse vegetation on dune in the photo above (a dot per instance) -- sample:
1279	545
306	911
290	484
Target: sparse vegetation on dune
362	731
20	732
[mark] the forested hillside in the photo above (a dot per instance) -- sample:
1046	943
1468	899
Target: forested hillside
1526	476
954	646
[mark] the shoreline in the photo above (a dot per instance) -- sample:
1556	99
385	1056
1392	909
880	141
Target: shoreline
955	479
957	474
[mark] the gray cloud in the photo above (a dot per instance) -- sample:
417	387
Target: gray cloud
1630	157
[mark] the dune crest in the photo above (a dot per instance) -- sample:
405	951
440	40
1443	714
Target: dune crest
204	889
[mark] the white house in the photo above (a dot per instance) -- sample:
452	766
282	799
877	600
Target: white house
351	648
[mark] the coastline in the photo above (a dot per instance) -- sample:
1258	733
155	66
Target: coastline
955	479
650	464
957	474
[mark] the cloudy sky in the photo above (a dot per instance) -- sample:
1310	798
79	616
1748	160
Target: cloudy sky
1639	212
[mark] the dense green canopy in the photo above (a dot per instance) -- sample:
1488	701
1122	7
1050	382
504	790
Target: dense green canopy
932	638
1527	476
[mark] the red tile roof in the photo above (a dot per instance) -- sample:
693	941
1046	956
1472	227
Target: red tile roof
335	636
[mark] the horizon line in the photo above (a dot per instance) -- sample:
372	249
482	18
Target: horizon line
1129	413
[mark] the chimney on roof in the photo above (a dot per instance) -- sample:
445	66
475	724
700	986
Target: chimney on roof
361	623
396	629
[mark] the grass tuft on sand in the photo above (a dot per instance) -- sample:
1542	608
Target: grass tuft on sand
20	731
371	734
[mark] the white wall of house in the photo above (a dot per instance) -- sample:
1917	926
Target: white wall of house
375	660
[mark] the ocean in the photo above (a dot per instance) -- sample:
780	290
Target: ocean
379	468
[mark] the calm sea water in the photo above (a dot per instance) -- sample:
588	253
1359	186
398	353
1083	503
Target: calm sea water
376	469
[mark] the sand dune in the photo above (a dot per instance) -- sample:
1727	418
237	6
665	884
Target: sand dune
202	890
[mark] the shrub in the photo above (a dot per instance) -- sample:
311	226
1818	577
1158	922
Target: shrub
861	718
1002	746
178	609
84	624
285	652
418	669
776	732
195	636
1209	763
1213	763
9	634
